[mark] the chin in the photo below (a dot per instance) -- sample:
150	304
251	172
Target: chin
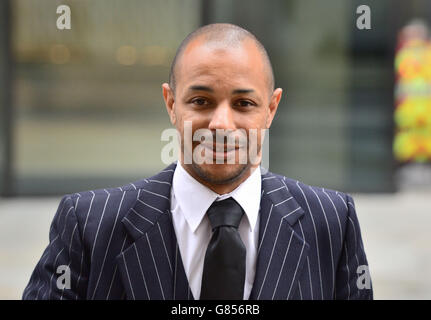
220	173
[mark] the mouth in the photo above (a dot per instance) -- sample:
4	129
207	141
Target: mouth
220	151
218	147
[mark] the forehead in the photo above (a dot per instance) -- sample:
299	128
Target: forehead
239	64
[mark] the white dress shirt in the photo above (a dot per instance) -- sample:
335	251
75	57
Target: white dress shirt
190	201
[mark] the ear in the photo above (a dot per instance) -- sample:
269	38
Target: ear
168	96
273	105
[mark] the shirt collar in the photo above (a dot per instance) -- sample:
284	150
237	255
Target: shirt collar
194	198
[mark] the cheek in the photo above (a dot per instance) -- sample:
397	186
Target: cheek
188	125
181	115
255	121
198	119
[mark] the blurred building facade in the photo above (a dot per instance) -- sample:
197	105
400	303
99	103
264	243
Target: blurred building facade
83	108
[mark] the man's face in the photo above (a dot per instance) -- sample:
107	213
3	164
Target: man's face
220	88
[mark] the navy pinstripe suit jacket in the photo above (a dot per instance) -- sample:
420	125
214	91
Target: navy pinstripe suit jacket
120	243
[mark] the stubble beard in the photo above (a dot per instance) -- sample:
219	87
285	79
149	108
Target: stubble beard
221	179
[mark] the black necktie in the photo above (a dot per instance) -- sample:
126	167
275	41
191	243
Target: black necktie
224	266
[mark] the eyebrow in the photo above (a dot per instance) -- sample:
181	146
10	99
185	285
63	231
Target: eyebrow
200	88
238	91
208	89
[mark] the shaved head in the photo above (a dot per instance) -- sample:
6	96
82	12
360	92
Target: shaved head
224	35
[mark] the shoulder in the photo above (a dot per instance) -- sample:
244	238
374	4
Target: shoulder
103	207
316	200
108	206
93	198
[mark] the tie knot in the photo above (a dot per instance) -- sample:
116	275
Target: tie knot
225	213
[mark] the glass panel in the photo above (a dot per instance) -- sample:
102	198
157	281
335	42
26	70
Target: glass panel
89	102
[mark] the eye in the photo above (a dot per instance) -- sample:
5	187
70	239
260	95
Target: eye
199	101
245	103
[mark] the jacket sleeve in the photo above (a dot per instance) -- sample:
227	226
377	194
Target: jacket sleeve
353	279
61	272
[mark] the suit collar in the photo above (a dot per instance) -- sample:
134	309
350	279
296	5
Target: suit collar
153	201
276	193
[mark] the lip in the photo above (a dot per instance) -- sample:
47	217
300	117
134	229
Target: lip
215	147
228	151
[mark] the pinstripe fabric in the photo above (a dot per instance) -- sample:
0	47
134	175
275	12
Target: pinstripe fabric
120	244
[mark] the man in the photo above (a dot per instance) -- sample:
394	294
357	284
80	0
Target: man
208	229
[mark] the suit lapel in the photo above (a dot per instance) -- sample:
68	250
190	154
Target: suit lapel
151	267
282	251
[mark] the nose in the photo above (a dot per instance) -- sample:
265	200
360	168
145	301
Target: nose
222	117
